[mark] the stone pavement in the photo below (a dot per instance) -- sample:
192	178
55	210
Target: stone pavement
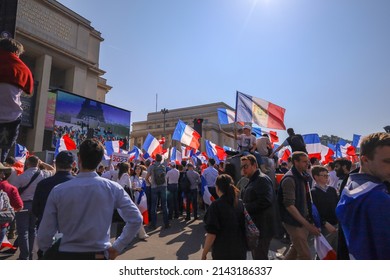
182	241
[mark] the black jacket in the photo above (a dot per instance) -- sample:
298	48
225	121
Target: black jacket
259	197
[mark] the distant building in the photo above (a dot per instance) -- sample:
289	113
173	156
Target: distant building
210	126
62	51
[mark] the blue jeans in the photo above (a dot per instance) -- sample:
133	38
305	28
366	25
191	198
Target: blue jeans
25	226
192	197
173	203
156	192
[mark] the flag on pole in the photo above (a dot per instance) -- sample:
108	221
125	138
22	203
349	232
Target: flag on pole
261	112
152	146
176	156
356	140
344	149
111	147
326	154
214	151
21	153
186	135
135	153
65	143
313	145
226	116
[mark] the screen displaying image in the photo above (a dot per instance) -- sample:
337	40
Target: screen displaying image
82	118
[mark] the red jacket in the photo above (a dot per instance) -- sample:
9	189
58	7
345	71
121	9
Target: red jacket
13	195
14	71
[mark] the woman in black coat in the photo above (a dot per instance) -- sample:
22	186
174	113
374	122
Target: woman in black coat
225	223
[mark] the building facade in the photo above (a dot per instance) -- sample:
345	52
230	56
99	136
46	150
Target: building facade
210	126
62	51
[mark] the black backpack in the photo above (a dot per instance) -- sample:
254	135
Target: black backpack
159	174
185	183
297	144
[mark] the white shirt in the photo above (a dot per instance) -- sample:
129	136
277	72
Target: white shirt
24	178
124	181
173	176
210	174
11	106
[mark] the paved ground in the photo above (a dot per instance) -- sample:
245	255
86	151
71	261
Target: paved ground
183	241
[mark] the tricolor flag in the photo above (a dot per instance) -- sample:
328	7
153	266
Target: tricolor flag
65	143
214	151
135	153
142	203
326	154
21	153
187	152
284	153
206	195
251	109
201	156
112	147
152	146
186	135
313	145
323	248
356	140
344	150
176	156
226	116
257	131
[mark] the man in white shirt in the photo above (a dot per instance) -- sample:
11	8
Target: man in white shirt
210	174
36	171
173	184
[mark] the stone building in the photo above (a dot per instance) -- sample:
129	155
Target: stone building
62	51
210	125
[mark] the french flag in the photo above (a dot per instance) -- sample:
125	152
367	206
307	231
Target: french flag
176	156
344	149
284	153
326	154
112	147
135	153
356	140
214	151
142	203
152	146
186	152
251	109
186	135
65	143
313	145
201	156
323	248
257	131
21	153
226	116
206	195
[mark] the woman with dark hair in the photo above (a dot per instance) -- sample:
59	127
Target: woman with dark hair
124	178
225	223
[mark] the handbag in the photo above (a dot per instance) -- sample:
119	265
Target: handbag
252	233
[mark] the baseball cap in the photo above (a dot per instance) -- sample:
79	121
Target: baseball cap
65	157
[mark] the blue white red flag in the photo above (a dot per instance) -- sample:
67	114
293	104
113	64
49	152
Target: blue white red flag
344	150
186	135
226	116
176	156
214	151
187	152
257	131
152	146
356	140
135	154
313	145
323	248
21	153
251	109
206	195
65	143
142	203
326	154
112	147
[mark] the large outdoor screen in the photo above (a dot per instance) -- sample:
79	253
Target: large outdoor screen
82	118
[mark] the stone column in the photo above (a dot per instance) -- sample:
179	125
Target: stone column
76	80
42	74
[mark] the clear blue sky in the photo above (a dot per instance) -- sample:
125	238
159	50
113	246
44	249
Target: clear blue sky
327	62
